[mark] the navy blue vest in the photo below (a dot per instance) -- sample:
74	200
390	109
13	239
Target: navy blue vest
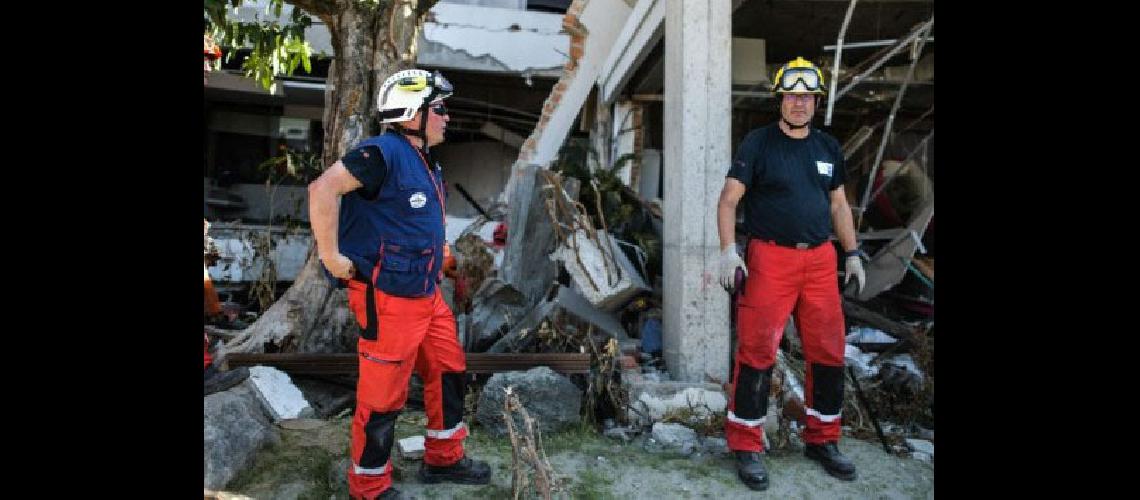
397	238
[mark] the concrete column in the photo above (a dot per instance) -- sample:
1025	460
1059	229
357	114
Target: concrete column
698	86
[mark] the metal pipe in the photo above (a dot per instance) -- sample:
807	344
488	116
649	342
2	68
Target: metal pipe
891	121
870	411
872	43
835	64
890	53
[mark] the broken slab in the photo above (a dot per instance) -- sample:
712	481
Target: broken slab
235	428
278	395
551	399
890	264
921	446
649	401
600	270
860	362
411	448
496	307
530	234
675	436
565	306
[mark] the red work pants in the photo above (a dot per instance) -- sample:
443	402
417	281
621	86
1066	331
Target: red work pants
784	280
401	334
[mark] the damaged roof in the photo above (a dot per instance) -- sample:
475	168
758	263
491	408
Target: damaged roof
480	38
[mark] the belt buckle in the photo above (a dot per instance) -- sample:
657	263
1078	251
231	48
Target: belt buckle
801	246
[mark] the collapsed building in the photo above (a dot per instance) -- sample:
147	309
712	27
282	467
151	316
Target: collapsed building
583	176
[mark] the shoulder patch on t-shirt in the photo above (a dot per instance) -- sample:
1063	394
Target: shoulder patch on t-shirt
824	168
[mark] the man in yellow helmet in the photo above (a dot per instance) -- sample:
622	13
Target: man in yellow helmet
790	176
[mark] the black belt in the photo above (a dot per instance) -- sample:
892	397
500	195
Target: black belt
790	244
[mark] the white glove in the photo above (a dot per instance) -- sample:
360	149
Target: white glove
854	268
729	261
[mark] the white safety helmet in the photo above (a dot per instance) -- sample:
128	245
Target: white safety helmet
409	90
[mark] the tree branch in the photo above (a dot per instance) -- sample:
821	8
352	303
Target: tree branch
423	6
317	8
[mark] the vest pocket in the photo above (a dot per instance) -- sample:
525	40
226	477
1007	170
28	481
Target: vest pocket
404	269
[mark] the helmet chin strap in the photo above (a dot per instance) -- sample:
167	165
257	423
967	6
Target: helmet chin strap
423	129
421	133
792	125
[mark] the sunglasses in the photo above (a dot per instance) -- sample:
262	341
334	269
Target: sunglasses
439	109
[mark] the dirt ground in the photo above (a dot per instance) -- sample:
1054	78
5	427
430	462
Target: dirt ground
311	459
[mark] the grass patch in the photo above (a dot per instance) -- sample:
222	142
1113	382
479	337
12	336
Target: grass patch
581	437
593	484
287	463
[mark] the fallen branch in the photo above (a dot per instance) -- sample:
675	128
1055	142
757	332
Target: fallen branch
525	452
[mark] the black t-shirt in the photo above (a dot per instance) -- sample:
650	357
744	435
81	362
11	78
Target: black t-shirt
789	183
367	165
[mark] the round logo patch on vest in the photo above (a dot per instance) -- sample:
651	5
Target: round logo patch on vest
417	200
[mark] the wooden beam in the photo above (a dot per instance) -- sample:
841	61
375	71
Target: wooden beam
871	318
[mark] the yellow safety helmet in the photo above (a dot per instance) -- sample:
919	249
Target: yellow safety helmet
798	77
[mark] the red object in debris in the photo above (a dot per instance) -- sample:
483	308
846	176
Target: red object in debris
500	235
628	362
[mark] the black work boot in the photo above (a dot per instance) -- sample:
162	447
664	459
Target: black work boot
214	380
390	494
828	455
465	471
750	468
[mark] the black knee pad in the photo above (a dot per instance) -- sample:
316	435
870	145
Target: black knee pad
827	388
454	387
752	388
379	434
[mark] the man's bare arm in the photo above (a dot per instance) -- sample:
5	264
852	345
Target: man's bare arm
841	219
726	211
324	209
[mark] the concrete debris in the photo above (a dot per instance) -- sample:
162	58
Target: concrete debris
693	402
411	448
277	393
498	306
549	397
531	237
860	362
675	436
867	335
565	308
600	271
922	457
890	264
235	428
920	445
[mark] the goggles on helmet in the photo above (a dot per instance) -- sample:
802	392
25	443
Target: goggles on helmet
440	85
799	79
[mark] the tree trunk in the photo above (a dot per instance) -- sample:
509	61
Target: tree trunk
370	43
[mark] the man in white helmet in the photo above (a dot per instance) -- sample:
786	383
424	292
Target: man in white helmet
386	244
790	176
